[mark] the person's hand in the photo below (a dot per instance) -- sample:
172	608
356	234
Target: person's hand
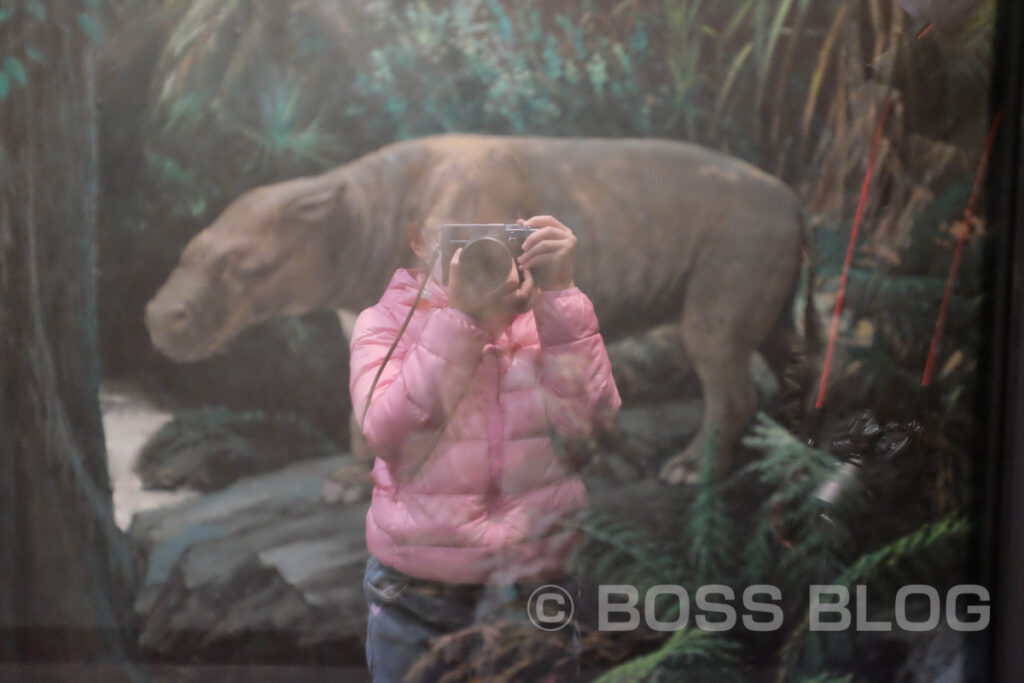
548	253
511	298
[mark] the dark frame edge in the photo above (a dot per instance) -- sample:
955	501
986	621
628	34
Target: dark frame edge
998	544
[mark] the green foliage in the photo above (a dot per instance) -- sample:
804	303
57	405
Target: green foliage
90	26
23	22
509	68
682	69
932	537
701	654
618	552
918	557
888	326
790	539
284	129
709	527
793	472
14	68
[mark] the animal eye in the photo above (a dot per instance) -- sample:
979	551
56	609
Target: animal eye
240	263
252	267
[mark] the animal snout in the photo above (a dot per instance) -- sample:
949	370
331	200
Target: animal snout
174	318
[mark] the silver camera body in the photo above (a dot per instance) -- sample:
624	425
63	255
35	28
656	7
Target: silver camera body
489	251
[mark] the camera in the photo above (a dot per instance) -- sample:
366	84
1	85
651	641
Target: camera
489	251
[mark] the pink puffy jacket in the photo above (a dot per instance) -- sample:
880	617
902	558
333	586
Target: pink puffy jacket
468	488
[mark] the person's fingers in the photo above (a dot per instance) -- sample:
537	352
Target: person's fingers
526	287
538	260
544	221
527	280
545	247
509	287
518	301
453	268
544	234
514	300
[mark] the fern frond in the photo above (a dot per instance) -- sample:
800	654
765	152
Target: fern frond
787	462
710	532
619	551
686	648
888	558
948	529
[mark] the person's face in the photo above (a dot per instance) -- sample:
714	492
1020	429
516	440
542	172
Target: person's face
424	241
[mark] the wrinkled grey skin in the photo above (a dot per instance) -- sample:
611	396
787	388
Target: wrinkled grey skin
667	231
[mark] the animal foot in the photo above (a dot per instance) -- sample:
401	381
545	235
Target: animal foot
350	483
681	469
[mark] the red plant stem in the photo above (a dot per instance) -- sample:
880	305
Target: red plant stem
833	331
979	179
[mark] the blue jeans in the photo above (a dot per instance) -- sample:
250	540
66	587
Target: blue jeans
406	615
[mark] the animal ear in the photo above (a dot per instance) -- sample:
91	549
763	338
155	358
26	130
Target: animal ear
315	207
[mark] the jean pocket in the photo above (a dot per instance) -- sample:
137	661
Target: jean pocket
383	584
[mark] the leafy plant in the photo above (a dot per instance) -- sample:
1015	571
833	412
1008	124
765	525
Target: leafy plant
698	652
932	541
22	25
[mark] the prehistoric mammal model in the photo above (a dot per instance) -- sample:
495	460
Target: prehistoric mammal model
668	231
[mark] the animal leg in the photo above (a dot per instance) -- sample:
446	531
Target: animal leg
735	298
720	334
730	400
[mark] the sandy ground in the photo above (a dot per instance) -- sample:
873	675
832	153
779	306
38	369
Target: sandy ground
128	420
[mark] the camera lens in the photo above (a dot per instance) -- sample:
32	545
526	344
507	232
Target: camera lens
485	263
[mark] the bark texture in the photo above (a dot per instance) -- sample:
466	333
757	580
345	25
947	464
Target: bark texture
65	570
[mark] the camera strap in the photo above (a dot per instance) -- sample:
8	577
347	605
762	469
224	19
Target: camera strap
412	309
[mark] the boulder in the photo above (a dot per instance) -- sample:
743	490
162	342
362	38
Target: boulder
209	449
262	570
265	570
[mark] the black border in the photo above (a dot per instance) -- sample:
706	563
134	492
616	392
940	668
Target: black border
999	546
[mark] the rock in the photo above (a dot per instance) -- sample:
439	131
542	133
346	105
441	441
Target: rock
129	419
259	571
211	448
265	570
653	366
658	430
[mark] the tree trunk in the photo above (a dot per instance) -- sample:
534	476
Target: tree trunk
65	570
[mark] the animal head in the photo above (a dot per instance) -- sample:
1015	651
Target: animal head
272	252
